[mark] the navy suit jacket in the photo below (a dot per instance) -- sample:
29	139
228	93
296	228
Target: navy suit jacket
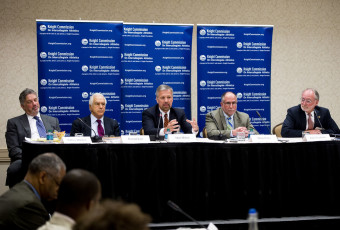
151	119
295	122
18	128
20	208
111	126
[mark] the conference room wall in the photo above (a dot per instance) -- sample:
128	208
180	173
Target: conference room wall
305	53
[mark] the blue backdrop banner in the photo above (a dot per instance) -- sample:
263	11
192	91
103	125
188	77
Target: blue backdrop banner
235	58
154	54
75	60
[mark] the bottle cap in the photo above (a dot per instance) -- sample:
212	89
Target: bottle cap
252	211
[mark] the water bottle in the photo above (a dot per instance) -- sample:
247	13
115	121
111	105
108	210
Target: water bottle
167	132
251	132
252	219
49	136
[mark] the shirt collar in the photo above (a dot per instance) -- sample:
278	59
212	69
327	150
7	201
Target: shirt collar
32	117
34	190
94	119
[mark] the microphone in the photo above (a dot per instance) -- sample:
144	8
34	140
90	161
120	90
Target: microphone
258	114
159	121
318	120
220	136
178	209
96	138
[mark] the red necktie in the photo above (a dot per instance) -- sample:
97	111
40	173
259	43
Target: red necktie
310	122
166	120
100	128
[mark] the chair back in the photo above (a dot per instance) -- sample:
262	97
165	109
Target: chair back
277	129
141	131
205	133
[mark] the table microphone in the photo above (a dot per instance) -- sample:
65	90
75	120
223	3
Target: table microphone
178	209
262	120
318	120
220	136
96	138
159	121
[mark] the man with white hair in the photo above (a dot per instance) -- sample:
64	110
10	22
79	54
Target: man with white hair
100	124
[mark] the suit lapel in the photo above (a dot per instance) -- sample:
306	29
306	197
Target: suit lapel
87	120
26	125
222	119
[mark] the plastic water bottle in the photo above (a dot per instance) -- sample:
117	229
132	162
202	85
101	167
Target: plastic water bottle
251	132
49	136
167	132
252	219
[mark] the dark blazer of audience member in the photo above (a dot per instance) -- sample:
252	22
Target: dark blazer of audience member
97	105
297	117
24	126
216	123
79	192
114	215
154	116
21	207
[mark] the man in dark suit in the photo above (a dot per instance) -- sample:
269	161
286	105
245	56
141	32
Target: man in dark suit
21	207
96	120
33	125
226	121
308	117
165	117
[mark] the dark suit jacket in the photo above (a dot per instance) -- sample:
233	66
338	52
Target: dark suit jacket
295	122
20	208
111	126
151	119
18	128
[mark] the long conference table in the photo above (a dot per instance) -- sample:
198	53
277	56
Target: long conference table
211	181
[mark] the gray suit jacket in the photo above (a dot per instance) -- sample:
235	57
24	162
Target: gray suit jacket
20	208
240	120
18	128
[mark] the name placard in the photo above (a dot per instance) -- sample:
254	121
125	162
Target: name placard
135	139
317	137
76	140
263	138
190	137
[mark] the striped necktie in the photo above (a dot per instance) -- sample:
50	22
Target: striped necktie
40	127
229	124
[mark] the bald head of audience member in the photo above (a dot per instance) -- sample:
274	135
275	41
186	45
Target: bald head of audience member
79	192
45	173
114	215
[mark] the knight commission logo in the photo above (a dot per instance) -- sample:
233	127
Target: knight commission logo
158	68
239	70
239	45
122	81
203	58
43	109
203	109
239	95
43	82
203	83
43	54
42	28
84	68
121	55
122	132
85	95
121	107
84	41
203	32
158	43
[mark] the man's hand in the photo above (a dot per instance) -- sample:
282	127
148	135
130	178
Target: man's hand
172	125
240	129
193	124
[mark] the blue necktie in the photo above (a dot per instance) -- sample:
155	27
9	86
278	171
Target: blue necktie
229	123
40	127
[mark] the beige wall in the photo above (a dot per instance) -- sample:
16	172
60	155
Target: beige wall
306	41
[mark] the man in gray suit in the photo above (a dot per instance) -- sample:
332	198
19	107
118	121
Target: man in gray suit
226	122
33	125
21	207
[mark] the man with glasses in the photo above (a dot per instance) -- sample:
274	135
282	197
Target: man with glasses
32	124
226	121
308	116
21	207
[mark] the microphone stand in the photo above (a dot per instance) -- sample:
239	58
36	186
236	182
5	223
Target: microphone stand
94	139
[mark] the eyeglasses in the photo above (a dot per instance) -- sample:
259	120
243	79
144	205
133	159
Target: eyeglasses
308	101
230	103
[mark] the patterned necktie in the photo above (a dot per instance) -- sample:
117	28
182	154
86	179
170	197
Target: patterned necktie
166	120
310	122
40	127
229	124
100	128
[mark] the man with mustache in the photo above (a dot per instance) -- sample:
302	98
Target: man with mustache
308	116
226	121
32	124
170	118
